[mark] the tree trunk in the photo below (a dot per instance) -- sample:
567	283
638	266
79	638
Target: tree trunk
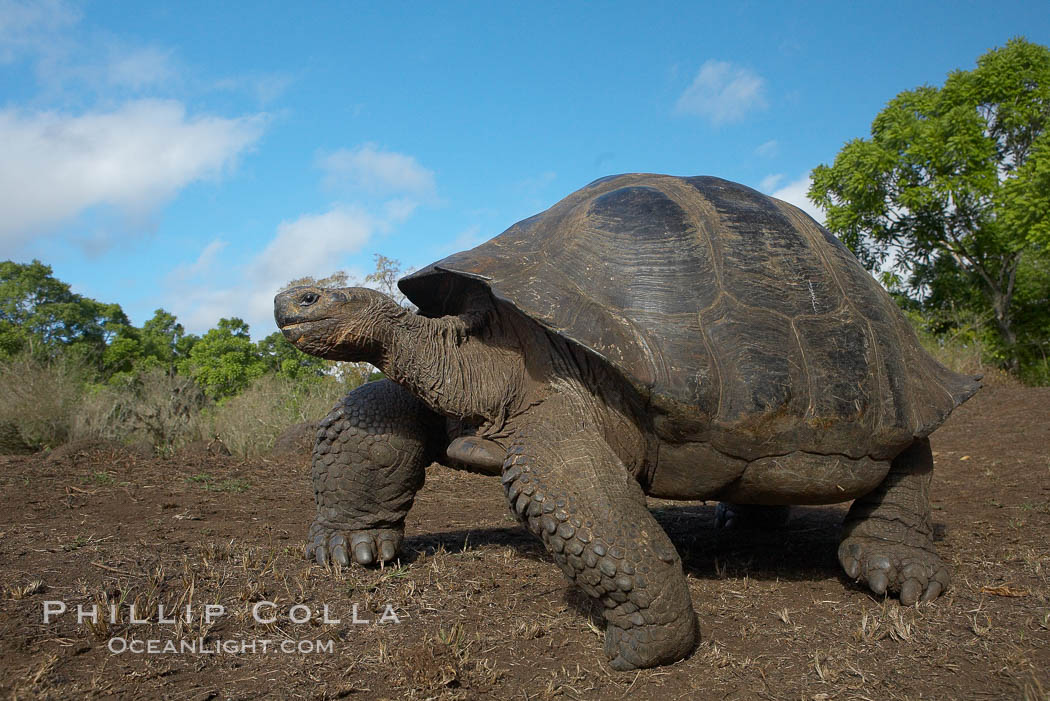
1001	293
1003	321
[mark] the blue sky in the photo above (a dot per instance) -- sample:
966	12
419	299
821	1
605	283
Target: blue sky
196	156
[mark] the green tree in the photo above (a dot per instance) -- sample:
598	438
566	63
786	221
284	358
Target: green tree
953	188
123	353
162	339
224	361
288	361
42	315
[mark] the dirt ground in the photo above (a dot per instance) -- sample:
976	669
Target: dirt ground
481	611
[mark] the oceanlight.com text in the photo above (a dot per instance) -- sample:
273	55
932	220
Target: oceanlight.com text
200	646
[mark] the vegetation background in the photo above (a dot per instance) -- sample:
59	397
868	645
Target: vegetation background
948	203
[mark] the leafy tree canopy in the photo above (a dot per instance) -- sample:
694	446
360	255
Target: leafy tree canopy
163	338
224	361
287	360
42	315
953	190
160	344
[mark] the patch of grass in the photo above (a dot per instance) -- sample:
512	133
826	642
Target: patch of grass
77	543
211	484
891	622
150	406
18	593
100	478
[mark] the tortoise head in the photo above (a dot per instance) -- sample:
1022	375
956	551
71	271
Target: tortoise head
351	323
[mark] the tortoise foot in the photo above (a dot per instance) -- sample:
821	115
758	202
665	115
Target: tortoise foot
751	516
914	573
641	646
337	546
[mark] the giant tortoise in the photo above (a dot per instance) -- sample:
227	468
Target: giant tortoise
687	338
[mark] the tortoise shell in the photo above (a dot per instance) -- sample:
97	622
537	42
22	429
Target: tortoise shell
743	321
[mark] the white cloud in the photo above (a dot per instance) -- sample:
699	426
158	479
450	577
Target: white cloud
31	26
313	244
369	169
309	244
722	92
399	209
65	61
392	186
768	149
134	158
770	182
203	265
795	193
140	68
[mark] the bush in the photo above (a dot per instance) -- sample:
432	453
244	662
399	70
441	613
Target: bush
150	406
959	345
250	422
39	399
1036	373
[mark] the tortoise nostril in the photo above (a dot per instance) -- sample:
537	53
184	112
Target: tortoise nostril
309	298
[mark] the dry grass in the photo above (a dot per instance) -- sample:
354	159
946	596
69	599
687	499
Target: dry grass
249	423
19	592
45	404
152	408
38	402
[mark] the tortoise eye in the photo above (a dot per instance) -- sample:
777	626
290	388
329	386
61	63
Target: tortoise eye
309	298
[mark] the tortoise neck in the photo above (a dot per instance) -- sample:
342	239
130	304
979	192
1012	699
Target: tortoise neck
460	366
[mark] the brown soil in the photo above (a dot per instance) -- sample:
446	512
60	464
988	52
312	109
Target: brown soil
483	611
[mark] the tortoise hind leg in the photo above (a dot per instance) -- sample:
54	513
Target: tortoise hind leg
569	488
887	539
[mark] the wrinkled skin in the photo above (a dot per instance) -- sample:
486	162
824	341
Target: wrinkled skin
887	538
480	381
571	479
561	473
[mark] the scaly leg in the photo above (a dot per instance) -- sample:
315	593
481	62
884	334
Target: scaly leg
569	488
887	540
368	463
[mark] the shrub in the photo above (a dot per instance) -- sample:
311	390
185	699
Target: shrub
960	345
150	406
249	423
39	399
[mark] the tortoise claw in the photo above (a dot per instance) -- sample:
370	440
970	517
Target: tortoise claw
914	574
333	546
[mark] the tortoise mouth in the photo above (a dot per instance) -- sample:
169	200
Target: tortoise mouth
294	324
295	332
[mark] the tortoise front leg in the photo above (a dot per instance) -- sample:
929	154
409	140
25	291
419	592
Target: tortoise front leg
368	463
569	488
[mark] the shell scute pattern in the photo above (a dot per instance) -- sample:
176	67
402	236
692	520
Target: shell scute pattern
733	311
